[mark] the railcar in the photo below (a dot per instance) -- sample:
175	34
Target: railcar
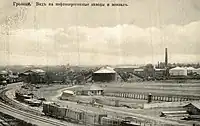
129	123
50	108
107	121
61	112
74	115
93	118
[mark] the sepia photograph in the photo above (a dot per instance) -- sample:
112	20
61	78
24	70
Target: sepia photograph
100	63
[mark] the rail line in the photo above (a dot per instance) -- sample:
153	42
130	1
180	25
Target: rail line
30	115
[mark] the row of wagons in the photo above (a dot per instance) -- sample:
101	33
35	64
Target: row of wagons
82	116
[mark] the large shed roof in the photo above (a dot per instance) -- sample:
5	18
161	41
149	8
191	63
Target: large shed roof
195	104
106	70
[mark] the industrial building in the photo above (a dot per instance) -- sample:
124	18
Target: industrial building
178	71
34	76
126	68
105	74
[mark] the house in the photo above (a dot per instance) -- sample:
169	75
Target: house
91	90
193	108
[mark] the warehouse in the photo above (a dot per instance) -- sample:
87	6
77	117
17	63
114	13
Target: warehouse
105	74
193	108
178	71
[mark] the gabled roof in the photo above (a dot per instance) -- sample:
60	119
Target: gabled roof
195	104
105	70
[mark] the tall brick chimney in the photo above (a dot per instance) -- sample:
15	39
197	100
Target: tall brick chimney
166	57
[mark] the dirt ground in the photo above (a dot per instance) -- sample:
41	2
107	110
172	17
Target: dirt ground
155	88
53	92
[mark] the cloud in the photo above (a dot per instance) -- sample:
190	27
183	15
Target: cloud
103	45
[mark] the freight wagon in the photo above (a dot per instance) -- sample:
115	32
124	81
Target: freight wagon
74	115
88	118
107	121
93	118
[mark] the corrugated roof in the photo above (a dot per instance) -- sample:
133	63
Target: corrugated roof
106	70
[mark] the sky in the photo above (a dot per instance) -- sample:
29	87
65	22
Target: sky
136	34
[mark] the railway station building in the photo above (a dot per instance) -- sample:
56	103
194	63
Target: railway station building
91	90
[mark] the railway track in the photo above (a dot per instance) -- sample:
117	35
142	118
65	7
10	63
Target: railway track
37	117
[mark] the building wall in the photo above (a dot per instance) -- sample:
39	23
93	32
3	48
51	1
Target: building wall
178	72
94	92
104	77
193	110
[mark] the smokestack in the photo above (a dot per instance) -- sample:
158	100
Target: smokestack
166	58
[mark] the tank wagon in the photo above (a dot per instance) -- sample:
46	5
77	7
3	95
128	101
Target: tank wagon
75	115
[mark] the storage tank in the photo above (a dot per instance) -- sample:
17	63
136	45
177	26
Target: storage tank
178	71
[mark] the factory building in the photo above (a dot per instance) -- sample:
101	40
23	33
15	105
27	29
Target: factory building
105	74
34	76
178	71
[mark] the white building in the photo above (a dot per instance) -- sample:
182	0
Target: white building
178	71
190	70
197	71
66	94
